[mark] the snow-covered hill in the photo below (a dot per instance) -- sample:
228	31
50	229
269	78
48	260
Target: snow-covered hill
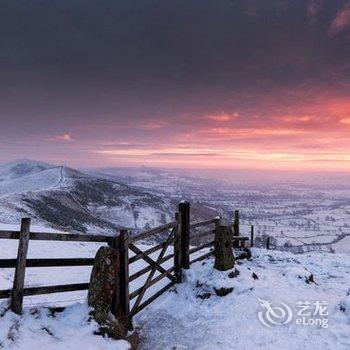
22	167
67	199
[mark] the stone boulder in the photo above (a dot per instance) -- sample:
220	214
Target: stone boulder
224	258
103	283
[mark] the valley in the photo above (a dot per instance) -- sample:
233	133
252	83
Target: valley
309	214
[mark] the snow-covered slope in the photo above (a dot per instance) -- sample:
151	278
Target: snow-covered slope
192	315
46	179
67	199
20	168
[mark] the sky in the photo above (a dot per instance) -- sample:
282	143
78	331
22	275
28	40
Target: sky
233	84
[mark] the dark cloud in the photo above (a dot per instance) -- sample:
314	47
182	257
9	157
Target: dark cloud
123	56
89	68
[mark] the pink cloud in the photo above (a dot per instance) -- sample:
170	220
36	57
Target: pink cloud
65	137
223	117
340	22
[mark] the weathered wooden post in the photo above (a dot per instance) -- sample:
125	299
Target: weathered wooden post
217	222
18	283
268	243
123	299
115	244
184	209
251	236
241	244
224	259
178	250
236	228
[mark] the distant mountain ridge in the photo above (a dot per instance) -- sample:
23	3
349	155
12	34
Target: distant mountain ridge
20	168
68	199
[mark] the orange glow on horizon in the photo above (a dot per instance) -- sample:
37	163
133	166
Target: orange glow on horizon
313	137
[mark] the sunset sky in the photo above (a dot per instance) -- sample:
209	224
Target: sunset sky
251	84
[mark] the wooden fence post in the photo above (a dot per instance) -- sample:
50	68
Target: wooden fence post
18	282
184	209
217	222
178	250
114	243
252	236
236	228
124	302
121	303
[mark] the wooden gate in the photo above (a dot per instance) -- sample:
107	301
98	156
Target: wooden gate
171	273
183	238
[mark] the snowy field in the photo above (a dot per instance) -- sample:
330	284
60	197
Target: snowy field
191	315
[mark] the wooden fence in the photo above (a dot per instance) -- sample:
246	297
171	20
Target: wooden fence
178	233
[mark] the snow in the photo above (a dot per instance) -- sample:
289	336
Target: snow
190	315
47	179
343	246
21	167
39	329
180	319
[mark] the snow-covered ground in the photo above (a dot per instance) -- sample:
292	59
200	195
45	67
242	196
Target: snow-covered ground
192	316
70	330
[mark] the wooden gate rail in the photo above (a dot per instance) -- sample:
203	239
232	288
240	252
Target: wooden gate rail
200	247
202	257
24	236
152	263
166	273
30	291
152	298
202	234
65	237
149	268
155	267
204	223
153	231
141	254
11	263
